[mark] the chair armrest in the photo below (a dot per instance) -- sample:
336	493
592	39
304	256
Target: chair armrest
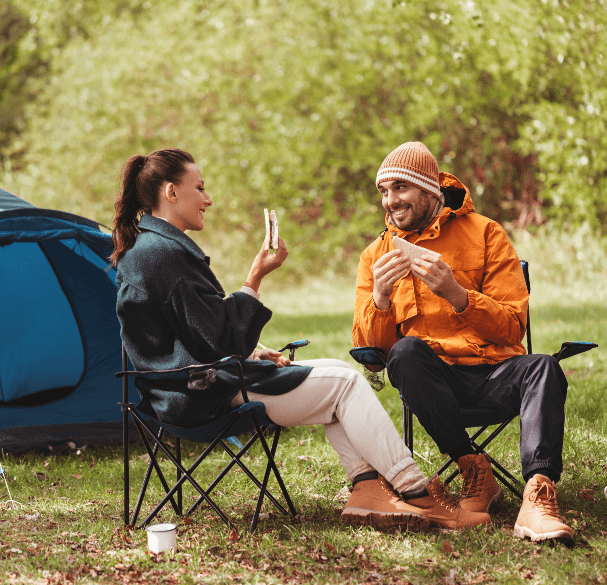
373	358
186	372
293	346
571	348
181	373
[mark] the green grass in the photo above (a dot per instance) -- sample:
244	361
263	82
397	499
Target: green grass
70	527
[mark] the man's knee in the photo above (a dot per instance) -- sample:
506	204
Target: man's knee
408	364
539	379
408	348
546	373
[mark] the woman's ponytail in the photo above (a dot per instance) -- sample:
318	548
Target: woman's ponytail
127	208
142	179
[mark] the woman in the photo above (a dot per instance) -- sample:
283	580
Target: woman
173	313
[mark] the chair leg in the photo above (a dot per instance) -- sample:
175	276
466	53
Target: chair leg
507	484
408	427
272	464
186	475
179	491
235	460
263	491
125	464
154	462
146	479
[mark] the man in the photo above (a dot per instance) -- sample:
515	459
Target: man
452	324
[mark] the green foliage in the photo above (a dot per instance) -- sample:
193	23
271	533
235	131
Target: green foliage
293	105
20	64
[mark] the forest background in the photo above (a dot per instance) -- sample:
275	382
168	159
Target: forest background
293	104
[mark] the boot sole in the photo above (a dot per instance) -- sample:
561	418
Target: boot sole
525	532
363	517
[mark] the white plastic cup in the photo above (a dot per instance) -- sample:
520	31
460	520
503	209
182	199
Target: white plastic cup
162	537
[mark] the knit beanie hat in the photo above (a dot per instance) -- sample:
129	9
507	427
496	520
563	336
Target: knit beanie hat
414	164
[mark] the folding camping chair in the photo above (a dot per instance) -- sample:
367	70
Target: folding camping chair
250	417
473	417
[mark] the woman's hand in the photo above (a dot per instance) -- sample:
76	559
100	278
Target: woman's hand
265	263
272	355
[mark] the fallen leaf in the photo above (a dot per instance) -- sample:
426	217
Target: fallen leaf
76	475
585	494
234	536
527	573
447	547
479	578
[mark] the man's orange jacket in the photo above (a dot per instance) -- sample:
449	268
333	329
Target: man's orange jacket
483	261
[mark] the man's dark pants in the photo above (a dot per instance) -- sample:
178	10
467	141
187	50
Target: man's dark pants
533	386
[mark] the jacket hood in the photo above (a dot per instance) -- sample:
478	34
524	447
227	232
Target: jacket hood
458	202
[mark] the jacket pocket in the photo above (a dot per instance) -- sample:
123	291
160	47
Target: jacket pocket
468	265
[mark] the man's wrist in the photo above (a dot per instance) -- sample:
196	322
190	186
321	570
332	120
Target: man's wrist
461	303
381	302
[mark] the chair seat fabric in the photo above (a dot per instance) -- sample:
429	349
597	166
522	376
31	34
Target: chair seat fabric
210	430
481	417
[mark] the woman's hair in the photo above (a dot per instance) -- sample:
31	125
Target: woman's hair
142	178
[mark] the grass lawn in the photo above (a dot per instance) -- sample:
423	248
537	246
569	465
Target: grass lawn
70	529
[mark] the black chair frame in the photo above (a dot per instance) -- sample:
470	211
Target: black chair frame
152	439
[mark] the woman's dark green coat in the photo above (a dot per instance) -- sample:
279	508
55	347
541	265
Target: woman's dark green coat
173	313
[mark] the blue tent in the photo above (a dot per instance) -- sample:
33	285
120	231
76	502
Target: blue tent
59	334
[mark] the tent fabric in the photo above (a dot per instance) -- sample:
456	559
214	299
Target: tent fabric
59	334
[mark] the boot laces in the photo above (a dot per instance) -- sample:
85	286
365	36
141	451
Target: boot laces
444	497
544	496
386	486
473	477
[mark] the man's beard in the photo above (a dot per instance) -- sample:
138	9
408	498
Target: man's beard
415	221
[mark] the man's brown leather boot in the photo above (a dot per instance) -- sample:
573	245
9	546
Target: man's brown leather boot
480	490
539	518
443	510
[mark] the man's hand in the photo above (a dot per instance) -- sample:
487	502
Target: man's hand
272	355
437	274
386	271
